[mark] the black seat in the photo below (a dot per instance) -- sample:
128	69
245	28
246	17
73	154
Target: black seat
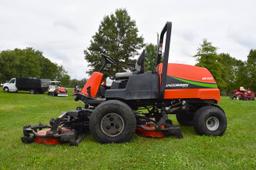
139	68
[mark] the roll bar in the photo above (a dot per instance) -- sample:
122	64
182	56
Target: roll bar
166	32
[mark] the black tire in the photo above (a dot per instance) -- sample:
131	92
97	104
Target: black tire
210	120
185	118
112	115
6	89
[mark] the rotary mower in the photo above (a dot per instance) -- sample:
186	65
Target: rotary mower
139	102
242	94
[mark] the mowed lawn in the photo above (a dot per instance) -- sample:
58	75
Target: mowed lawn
235	150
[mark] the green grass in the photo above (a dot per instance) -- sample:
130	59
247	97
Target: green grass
235	150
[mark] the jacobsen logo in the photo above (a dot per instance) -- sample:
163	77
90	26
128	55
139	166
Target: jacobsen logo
207	78
177	85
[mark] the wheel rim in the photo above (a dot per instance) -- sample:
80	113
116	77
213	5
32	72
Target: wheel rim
5	89
212	123
112	124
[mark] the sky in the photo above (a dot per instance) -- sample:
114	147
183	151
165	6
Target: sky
62	29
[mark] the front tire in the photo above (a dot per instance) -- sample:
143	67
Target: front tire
112	122
210	120
6	89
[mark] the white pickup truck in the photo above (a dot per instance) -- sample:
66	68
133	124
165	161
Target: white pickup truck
33	85
10	86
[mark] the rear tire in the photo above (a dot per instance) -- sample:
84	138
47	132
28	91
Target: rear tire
185	118
210	120
112	122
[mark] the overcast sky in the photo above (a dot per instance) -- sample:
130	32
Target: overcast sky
62	29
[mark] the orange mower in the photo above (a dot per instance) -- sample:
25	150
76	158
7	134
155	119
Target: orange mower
139	102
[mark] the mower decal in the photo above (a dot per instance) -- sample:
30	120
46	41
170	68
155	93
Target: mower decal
207	85
175	82
177	85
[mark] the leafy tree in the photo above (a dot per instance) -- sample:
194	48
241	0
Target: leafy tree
65	80
150	60
241	75
251	69
117	37
231	68
48	69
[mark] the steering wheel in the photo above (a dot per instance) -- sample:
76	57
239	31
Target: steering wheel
108	59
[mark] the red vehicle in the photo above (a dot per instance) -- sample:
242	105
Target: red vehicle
55	89
243	94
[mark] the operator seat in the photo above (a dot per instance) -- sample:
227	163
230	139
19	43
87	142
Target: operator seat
139	68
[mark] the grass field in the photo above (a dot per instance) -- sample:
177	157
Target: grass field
235	150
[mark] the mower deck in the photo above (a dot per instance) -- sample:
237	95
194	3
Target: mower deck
71	128
43	134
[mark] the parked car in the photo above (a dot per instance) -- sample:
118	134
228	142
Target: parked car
55	89
33	85
243	94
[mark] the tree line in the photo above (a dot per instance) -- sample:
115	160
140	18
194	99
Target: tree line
29	62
